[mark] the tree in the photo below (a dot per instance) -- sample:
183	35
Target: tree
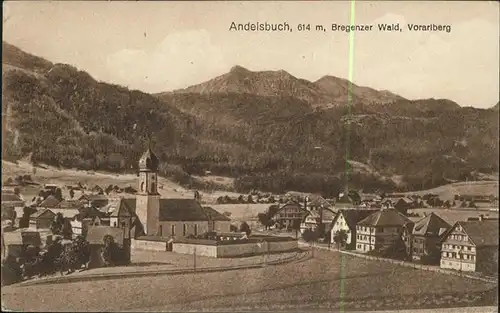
108	189
108	250
233	228
58	194
309	235
244	227
264	219
340	238
57	224
76	254
24	222
67	230
250	199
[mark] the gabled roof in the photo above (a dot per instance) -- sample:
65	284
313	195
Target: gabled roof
431	225
385	217
10	197
315	200
45	213
214	215
482	233
181	210
404	199
22	238
66	213
49	202
95	234
70	204
352	217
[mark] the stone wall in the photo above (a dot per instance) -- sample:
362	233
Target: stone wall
149	245
235	250
187	248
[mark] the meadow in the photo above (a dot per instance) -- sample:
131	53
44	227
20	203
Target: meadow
328	281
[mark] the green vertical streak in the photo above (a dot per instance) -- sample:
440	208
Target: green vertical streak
347	142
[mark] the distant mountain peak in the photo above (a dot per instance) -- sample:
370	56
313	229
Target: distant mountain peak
239	69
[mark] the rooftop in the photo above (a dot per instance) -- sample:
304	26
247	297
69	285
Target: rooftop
385	217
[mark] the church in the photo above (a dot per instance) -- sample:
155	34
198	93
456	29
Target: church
166	217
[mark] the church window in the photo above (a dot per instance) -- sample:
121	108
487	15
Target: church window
142	186
160	230
196	229
172	231
184	229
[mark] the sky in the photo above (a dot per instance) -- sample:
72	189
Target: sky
162	46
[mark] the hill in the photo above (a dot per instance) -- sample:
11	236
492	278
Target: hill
325	92
271	135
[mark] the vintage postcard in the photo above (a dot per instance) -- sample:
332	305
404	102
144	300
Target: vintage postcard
255	156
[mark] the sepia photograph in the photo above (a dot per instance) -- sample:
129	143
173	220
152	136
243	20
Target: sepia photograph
250	156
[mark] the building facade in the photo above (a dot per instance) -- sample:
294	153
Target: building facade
290	214
380	230
471	246
423	239
346	220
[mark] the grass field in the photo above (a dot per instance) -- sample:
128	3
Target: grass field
327	281
454	215
448	192
63	177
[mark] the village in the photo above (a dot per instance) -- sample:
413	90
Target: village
70	229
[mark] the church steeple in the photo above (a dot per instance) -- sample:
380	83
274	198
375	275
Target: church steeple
148	198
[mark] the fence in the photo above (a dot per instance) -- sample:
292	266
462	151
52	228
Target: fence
409	264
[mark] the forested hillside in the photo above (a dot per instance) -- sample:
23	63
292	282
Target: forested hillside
59	115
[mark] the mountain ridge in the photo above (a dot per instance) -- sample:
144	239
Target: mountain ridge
63	117
325	92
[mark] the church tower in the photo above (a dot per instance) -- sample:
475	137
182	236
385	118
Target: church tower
148	198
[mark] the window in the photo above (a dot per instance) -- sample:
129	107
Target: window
173	230
472	257
196	229
184	229
160	230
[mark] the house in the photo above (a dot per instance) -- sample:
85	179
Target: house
290	214
71	204
49	203
97	201
346	220
380	230
10	200
15	243
471	246
217	222
42	219
316	217
403	204
423	238
95	237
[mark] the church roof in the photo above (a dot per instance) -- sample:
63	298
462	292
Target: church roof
173	210
149	161
181	210
214	215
